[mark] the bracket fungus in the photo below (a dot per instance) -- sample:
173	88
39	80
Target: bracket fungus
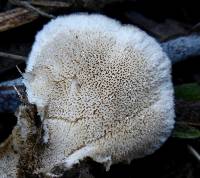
102	89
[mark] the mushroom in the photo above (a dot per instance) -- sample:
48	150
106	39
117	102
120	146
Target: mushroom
102	89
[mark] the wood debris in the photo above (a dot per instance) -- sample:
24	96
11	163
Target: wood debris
15	18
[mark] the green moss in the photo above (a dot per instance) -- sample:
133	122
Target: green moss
189	92
186	132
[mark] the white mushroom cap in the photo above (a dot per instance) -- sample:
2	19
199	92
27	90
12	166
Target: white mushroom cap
105	89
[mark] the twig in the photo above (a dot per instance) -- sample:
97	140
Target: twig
194	152
16	17
17	91
19	70
31	7
48	3
9	100
196	27
10	83
182	48
12	56
188	123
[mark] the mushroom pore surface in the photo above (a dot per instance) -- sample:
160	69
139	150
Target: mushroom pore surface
103	89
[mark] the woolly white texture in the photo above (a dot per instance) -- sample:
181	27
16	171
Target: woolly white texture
105	88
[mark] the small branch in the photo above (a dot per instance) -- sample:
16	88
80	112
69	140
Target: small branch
19	70
188	123
194	152
16	17
196	27
10	83
49	3
9	100
182	48
12	56
31	7
17	91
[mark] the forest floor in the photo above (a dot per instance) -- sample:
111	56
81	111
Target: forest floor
164	20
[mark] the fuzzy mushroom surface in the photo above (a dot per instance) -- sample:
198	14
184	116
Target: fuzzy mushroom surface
103	90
